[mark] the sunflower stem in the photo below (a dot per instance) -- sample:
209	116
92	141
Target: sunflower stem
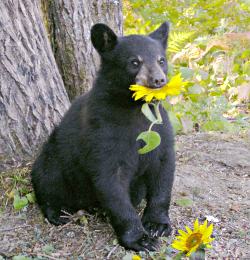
152	124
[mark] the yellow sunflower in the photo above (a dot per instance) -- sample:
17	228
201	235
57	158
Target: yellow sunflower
172	88
188	242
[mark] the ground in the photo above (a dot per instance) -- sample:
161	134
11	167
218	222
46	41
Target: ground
212	179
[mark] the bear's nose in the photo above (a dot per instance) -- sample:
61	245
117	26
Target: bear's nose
157	82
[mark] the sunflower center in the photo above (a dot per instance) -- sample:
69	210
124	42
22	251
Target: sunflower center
194	240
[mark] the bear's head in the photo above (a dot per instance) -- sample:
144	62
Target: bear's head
133	59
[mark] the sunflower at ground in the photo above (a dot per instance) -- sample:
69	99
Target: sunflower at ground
200	237
172	88
136	257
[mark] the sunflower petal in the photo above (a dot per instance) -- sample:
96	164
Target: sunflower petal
149	97
173	88
139	95
203	227
188	230
208	240
160	96
193	249
209	230
179	246
196	225
137	87
182	233
190	240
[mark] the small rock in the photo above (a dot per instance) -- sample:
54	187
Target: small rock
70	234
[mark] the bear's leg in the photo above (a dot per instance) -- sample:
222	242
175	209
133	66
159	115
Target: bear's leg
113	193
138	191
51	194
159	186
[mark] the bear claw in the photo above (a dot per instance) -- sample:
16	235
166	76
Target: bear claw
158	229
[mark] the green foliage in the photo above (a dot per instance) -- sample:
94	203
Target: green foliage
205	17
177	41
18	189
152	140
148	113
20	202
210	46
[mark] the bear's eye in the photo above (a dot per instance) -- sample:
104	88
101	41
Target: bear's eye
161	61
135	63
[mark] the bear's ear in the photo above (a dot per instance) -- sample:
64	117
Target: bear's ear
103	38
161	34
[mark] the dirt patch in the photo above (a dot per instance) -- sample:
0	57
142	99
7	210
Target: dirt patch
212	174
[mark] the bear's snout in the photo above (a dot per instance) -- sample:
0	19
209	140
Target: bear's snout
151	78
157	81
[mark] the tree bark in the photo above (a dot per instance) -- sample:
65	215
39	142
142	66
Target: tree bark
69	24
32	95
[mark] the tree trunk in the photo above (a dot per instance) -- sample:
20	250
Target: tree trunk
68	24
32	94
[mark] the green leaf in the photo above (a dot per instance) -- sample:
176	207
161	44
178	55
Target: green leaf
148	113
178	40
31	197
158	113
152	140
246	53
215	92
20	202
184	202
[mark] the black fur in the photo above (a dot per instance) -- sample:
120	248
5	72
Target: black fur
91	159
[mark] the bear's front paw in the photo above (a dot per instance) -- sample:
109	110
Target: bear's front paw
143	243
158	229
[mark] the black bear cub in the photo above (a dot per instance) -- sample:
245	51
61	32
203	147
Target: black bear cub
91	159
